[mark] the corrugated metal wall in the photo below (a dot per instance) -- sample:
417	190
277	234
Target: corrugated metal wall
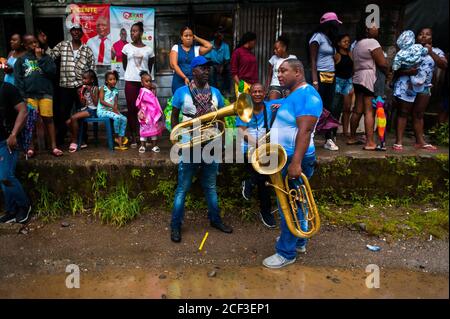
266	23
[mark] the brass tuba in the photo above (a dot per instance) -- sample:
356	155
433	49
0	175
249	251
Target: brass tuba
262	159
204	128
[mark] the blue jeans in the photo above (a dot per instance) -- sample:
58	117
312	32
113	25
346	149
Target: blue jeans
208	181
12	189
287	244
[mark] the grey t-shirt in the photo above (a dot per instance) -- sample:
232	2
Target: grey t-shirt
325	56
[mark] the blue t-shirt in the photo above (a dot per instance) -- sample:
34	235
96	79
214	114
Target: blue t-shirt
325	56
305	101
256	127
182	100
220	55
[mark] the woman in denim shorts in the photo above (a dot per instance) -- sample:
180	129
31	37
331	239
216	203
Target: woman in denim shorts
344	86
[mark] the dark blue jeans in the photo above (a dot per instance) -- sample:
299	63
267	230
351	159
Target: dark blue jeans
287	244
208	181
13	192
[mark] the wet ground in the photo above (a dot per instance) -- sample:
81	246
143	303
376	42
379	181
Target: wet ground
140	261
232	282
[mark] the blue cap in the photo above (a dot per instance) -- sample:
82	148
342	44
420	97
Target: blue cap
199	60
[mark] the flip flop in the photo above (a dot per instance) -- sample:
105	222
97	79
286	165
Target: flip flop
73	147
356	142
57	152
365	148
397	147
427	147
121	148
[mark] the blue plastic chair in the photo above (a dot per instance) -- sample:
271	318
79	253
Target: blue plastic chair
95	120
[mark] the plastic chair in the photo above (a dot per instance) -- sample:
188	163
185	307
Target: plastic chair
95	120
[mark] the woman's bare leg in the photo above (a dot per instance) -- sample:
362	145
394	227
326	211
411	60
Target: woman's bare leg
418	110
404	109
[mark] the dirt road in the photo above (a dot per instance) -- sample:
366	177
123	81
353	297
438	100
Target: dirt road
139	260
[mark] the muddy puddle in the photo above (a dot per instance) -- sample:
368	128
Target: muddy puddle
295	281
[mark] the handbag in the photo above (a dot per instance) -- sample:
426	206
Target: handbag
326	77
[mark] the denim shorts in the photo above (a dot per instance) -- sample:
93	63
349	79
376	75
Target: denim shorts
92	112
344	86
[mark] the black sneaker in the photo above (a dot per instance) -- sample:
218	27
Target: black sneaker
268	220
222	227
23	215
8	218
246	190
175	235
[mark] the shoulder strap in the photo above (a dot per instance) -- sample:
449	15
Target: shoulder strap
266	125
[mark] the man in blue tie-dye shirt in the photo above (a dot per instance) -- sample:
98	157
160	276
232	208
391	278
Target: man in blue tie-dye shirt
293	128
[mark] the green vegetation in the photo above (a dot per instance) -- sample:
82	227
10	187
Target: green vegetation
394	219
48	206
117	208
76	203
439	134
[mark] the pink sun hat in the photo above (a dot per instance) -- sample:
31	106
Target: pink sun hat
329	16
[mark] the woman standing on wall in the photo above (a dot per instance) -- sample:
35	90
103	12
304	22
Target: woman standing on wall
367	56
17	50
182	54
136	57
412	102
244	68
322	51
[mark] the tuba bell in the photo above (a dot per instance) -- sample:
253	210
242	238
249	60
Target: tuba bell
269	159
205	128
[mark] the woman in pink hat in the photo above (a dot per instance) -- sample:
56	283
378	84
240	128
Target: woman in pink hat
322	51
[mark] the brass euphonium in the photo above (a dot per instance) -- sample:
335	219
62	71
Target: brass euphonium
269	159
204	128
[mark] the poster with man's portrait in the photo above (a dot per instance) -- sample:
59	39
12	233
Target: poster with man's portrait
95	22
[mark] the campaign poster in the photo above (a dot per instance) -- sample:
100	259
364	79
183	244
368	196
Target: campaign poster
95	22
122	18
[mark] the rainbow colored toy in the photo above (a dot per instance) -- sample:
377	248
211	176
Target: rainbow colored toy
378	104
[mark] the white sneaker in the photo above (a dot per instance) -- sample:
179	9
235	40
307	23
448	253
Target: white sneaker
277	261
329	145
301	249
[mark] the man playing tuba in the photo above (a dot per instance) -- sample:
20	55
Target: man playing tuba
293	128
193	101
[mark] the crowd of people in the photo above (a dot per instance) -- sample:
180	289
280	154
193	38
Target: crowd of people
286	105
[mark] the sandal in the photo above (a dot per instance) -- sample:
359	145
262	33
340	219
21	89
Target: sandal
354	142
156	149
57	152
427	147
73	147
397	147
142	149
121	148
82	146
365	148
